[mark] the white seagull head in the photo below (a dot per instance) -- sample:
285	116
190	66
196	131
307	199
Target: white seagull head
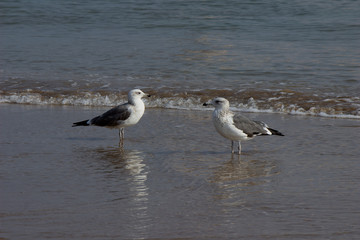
137	94
219	103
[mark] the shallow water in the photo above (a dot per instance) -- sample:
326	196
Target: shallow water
175	178
276	56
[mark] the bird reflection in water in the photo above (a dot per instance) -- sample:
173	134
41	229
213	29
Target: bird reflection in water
131	164
129	169
237	169
237	175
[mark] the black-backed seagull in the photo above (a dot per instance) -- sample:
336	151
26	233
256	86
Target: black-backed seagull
124	115
235	126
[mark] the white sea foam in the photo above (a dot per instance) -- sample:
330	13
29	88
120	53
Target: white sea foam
84	100
188	103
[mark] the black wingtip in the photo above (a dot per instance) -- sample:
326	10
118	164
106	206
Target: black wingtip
275	132
81	123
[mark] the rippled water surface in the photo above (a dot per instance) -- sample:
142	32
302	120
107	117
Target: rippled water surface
299	57
176	180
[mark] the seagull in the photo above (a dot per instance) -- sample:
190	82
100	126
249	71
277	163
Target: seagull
124	115
235	126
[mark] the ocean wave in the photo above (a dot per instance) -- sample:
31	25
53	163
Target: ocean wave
285	102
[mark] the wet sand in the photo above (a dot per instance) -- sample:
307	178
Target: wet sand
175	178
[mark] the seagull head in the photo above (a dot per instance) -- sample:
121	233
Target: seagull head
137	94
219	103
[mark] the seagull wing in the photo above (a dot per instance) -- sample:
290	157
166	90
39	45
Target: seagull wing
249	126
113	117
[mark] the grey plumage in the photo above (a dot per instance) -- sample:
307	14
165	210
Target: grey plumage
253	127
235	126
113	117
249	127
124	115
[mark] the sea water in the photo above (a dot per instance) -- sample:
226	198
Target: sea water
175	178
298	57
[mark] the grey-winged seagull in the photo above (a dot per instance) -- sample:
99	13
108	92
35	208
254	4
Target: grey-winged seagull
234	126
124	115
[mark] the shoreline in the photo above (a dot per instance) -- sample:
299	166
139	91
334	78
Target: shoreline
284	101
175	177
200	108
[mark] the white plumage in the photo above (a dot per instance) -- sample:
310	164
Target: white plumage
124	115
235	126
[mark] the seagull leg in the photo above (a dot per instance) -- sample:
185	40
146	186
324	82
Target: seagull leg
239	147
232	147
121	137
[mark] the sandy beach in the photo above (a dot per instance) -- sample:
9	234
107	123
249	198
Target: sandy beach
175	178
292	64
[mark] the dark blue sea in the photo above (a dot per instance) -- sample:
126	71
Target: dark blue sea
292	64
298	57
